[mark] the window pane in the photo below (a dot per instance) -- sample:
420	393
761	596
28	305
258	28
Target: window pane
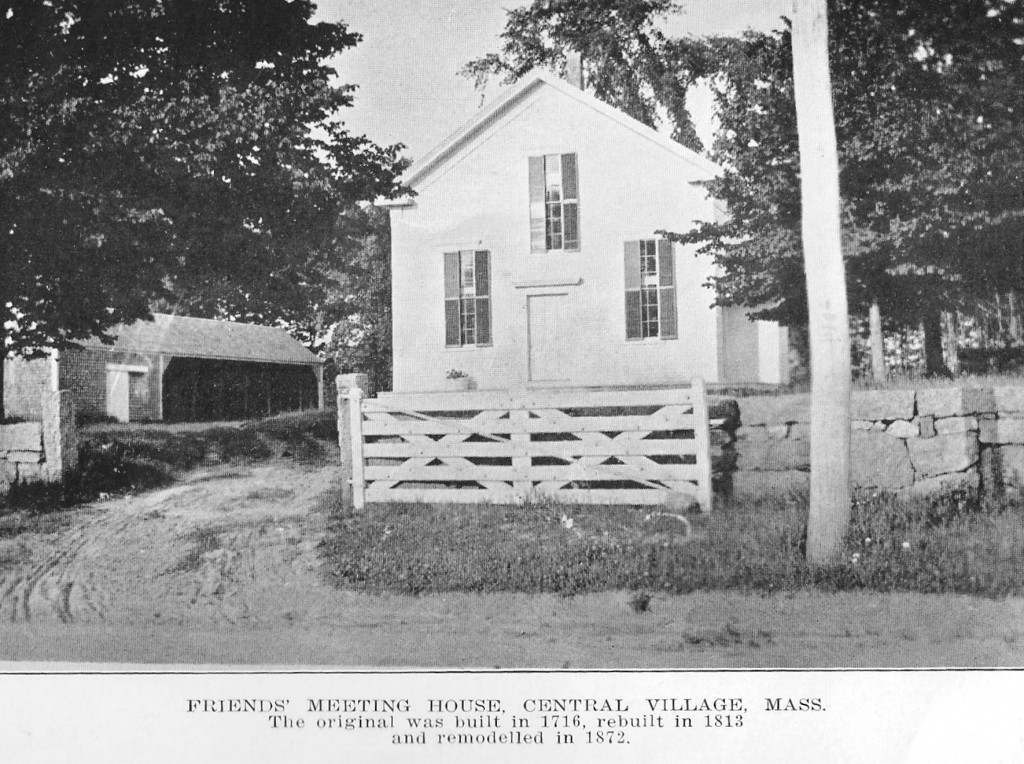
468	309
649	311
467	287
554	226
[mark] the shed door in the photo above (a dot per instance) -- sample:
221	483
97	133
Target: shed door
551	337
117	394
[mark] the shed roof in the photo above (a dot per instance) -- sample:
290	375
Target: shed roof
704	168
209	338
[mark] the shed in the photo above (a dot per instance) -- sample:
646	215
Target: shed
179	368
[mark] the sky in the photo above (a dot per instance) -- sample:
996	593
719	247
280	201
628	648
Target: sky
406	67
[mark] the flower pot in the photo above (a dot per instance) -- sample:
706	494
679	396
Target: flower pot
454	385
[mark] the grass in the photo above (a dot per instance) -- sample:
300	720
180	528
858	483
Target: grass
947	545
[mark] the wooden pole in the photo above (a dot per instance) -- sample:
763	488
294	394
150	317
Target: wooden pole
826	286
355	410
877	343
346	383
702	434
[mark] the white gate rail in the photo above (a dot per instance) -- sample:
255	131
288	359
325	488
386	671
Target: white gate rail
575	446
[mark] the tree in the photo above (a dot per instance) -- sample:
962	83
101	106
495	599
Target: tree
628	61
183	150
826	286
361	307
926	104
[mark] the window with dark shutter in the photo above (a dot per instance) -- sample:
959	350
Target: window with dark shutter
554	203
650	289
467	298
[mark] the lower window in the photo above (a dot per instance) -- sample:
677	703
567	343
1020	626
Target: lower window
467	298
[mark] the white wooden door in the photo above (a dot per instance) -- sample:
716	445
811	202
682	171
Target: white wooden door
117	394
551	337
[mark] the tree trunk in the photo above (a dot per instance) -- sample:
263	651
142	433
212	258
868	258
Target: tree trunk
3	363
826	286
932	328
877	343
952	341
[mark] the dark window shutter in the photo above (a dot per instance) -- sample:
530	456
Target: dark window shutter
631	254
633	314
666	264
483	302
537	207
451	299
571	212
631	261
483	321
570	226
570	181
667	328
483	273
451	275
451	323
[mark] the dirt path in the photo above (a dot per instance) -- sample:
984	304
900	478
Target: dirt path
222	568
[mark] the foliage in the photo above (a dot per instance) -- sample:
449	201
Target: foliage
171	149
940	545
927	115
627	60
360	308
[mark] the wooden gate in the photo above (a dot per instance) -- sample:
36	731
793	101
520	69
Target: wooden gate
574	446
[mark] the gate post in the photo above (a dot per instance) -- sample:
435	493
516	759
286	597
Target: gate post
346	383
702	435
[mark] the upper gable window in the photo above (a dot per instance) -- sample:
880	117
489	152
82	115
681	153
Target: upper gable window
554	203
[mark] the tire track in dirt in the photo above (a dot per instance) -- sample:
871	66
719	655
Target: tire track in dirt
224	546
61	585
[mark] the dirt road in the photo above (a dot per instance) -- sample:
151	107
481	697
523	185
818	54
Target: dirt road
222	568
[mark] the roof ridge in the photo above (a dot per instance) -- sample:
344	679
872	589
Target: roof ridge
520	88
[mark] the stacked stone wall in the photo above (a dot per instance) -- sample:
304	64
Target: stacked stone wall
918	442
23	379
41	451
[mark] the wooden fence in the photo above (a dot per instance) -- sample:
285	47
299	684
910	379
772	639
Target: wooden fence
573	446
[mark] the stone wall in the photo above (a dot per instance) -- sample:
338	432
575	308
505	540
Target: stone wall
22	382
41	451
918	442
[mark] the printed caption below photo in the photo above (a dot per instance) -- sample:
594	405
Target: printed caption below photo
491	721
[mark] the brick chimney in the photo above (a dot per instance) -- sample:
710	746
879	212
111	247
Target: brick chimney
574	69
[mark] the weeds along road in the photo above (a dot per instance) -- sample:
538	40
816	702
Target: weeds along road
223	568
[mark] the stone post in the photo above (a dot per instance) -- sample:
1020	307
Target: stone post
60	435
344	383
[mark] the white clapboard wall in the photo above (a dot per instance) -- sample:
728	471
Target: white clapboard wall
573	446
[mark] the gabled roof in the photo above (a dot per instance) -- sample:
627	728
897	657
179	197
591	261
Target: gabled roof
516	95
209	338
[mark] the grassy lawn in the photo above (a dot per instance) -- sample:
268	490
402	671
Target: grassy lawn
946	545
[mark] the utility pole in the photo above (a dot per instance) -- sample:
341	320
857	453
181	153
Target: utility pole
826	285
